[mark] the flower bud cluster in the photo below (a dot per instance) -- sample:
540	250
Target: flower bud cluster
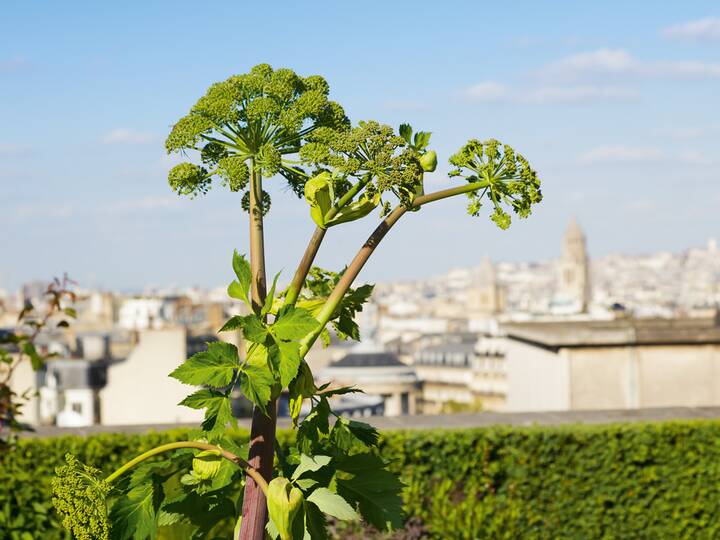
511	181
79	498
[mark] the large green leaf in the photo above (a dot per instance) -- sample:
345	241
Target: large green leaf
333	504
310	464
267	305
133	514
256	383
254	329
375	489
214	367
244	276
218	412
294	324
288	360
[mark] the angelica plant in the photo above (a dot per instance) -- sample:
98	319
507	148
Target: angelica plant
275	125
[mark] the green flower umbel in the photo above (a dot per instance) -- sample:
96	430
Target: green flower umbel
79	498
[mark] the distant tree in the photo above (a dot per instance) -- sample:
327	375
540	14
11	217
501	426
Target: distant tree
19	346
273	124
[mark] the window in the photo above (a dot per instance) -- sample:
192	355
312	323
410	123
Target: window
77	407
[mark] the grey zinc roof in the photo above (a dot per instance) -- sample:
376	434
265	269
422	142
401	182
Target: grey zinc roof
622	331
375	359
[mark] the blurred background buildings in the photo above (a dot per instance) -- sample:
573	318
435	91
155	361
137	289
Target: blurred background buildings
619	332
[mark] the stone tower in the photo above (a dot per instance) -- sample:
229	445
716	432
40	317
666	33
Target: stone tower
486	296
574	282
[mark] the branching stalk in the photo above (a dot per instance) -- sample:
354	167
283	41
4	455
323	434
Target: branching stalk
240	462
368	248
303	268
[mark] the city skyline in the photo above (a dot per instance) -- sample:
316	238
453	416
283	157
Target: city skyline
617	117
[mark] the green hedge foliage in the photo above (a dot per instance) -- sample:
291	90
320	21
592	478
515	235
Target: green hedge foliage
638	480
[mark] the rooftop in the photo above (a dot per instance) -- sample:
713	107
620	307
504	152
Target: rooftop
368	359
617	332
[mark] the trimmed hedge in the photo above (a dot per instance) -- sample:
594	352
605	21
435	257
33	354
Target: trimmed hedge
640	480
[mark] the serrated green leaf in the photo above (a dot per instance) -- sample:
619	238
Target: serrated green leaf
214	367
133	514
235	290
305	483
233	323
254	329
333	504
218	412
294	324
289	361
310	464
218	415
375	489
267	306
315	523
257	355
201	399
256	384
241	267
406	132
301	387
350	434
314	427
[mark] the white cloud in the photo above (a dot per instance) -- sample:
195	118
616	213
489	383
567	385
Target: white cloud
641	154
127	136
143	204
487	91
12	64
495	92
602	61
618	62
577	94
13	150
707	29
403	106
34	211
621	154
683	133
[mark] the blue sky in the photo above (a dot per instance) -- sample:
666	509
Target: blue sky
614	103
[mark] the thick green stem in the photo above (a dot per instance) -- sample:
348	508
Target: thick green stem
313	246
262	432
368	248
303	268
240	462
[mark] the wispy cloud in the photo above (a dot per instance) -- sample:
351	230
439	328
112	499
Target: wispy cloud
143	204
706	29
12	64
640	154
405	106
37	211
683	133
14	150
608	62
34	211
127	136
496	92
621	154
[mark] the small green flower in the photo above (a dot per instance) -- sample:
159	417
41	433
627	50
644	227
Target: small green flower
188	179
511	180
79	498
